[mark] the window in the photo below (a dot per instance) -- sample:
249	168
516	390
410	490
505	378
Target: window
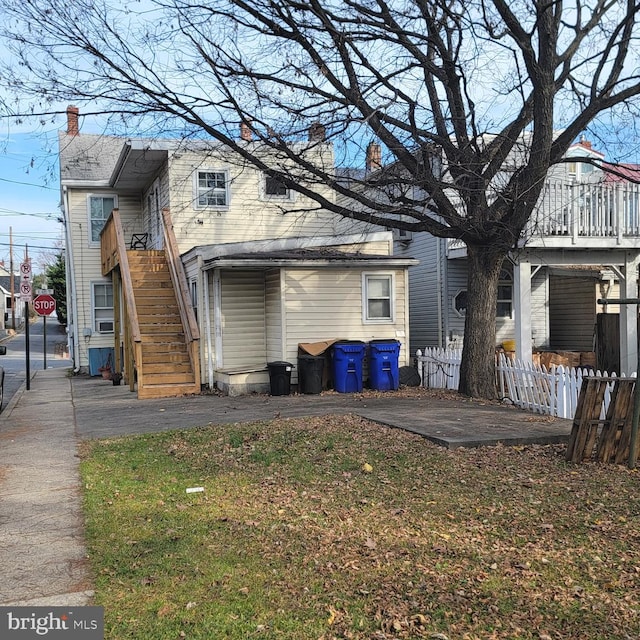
212	189
504	307
273	189
102	297
378	298
194	298
100	208
460	302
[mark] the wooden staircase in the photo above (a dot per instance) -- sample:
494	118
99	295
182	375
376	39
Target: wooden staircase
165	369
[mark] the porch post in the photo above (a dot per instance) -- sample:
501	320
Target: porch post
629	315
522	309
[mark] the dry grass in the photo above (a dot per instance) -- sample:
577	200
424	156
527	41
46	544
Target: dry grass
294	538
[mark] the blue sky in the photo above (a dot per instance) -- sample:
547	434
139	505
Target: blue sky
30	192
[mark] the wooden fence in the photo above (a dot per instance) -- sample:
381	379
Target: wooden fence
553	392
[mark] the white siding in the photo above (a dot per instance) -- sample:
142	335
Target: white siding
275	323
87	262
248	216
243	319
318	301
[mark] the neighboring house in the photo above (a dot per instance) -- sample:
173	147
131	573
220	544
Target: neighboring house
189	268
10	306
583	243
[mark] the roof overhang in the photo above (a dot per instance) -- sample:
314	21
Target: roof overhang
308	259
138	164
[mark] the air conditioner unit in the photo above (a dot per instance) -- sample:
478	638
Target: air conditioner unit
105	326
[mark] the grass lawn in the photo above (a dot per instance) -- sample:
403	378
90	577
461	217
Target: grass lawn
334	527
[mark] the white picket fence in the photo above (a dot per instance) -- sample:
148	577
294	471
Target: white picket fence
551	392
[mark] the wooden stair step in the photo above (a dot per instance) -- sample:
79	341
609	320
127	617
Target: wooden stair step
168	378
168	391
171	357
166	368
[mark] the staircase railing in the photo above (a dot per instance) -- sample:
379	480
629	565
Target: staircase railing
113	249
176	269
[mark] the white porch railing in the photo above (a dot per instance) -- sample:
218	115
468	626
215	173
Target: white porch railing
577	212
600	209
554	392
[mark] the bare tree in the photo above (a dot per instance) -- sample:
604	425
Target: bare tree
454	90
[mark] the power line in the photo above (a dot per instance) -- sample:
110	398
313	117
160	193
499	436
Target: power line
29	184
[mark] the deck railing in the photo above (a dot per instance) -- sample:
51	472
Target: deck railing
574	212
189	323
113	250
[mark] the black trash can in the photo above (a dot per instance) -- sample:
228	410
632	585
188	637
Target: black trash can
280	378
310	370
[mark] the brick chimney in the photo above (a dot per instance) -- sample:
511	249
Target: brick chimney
73	128
585	143
245	131
374	157
317	132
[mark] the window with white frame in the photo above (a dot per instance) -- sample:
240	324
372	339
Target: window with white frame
504	308
100	208
102	302
212	189
377	297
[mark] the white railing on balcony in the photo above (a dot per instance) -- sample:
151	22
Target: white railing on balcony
575	211
600	210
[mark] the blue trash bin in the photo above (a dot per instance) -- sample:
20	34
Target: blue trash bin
384	373
347	365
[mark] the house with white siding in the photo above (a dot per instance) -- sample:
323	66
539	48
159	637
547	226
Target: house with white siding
189	268
582	245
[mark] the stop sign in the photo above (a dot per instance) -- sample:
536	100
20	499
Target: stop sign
44	304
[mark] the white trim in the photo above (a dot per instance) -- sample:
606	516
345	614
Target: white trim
94	321
366	275
96	243
196	189
217	319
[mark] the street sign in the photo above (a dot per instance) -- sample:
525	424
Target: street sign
44	304
25	291
25	270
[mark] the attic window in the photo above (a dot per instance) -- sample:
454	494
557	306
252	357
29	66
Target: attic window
274	189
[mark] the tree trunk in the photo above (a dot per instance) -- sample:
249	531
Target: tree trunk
478	368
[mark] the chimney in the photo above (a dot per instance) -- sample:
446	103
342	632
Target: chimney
317	132
584	142
73	128
374	157
245	131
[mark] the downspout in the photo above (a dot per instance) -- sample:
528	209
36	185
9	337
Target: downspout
207	321
71	279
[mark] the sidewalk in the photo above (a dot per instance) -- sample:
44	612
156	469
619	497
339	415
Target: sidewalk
42	551
41	530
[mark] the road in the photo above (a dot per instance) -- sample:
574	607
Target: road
15	362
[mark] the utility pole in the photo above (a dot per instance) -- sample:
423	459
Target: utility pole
13	292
